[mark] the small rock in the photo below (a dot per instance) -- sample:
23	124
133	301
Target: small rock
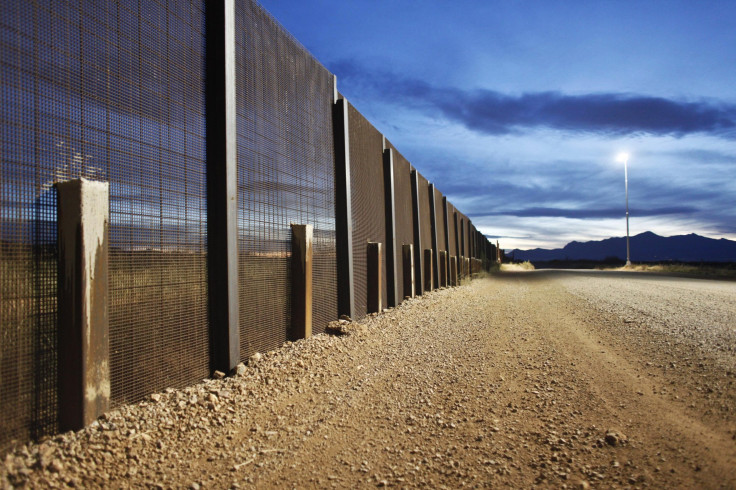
240	369
345	318
336	328
56	466
255	358
614	438
218	375
156	397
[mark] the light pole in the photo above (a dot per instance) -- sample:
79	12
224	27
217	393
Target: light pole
624	157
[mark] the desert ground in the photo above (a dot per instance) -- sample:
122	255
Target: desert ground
528	379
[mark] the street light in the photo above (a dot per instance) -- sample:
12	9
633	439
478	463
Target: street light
624	157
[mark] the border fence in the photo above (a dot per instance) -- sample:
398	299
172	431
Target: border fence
216	131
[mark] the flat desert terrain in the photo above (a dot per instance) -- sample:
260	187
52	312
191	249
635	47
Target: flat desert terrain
533	379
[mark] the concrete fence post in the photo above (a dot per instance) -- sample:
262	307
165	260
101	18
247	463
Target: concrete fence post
375	281
443	269
84	353
428	269
453	271
407	252
301	280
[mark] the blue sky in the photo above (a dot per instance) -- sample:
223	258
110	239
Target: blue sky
516	110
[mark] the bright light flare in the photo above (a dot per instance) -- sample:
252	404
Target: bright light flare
622	157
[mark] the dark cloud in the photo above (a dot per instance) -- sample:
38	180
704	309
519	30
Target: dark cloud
490	112
540	212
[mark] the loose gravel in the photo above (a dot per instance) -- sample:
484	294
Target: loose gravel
508	381
699	311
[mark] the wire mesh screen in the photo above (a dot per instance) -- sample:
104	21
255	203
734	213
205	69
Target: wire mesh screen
471	240
285	175
403	213
461	234
368	202
440	220
452	249
108	92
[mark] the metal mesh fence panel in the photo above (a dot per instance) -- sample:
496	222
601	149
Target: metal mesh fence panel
452	249
368	202
402	213
440	220
471	240
111	92
285	175
461	233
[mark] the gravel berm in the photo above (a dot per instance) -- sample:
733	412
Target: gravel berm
511	380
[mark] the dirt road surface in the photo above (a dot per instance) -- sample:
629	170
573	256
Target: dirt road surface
548	379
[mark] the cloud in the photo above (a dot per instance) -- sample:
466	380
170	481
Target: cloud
582	213
491	112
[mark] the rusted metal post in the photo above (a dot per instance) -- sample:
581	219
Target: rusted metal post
428	269
84	353
407	252
443	269
301	280
373	304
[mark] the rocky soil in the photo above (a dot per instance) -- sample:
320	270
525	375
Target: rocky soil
512	381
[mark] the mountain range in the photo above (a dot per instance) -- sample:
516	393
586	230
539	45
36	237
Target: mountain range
645	247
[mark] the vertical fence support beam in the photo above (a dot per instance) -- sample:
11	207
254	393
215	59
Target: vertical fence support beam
428	269
458	252
446	231
418	269
222	186
443	269
392	291
84	353
433	228
453	271
343	211
462	252
374	277
407	255
301	280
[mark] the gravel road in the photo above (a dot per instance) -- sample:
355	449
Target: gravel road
543	379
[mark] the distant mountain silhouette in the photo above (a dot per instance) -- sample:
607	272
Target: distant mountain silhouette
645	247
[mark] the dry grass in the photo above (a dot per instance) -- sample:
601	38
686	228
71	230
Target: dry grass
726	271
523	266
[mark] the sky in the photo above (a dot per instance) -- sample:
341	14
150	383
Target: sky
516	110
